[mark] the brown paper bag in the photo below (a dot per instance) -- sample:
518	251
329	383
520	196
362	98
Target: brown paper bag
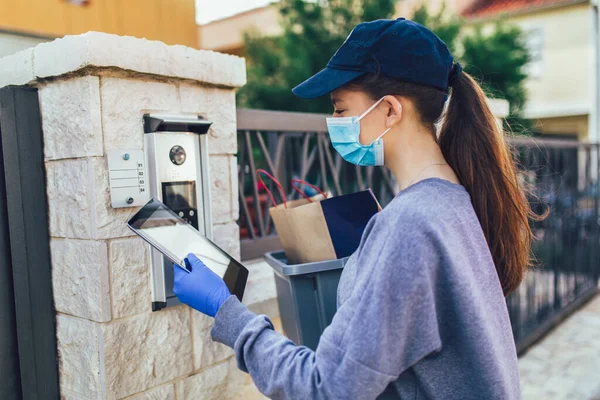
302	231
322	227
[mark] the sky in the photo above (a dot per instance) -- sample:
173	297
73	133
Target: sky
210	10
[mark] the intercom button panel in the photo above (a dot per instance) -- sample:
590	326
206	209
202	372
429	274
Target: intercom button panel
128	180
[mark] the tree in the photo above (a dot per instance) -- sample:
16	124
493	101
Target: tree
446	25
496	57
312	32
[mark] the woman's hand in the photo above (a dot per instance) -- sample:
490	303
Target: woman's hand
201	289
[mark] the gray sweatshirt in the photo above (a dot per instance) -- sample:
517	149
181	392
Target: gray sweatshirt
421	315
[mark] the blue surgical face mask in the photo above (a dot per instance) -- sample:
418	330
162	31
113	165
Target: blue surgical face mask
345	136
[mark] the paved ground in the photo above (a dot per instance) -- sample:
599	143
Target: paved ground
566	363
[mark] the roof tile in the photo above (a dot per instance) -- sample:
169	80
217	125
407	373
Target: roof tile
490	8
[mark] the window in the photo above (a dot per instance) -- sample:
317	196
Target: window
534	40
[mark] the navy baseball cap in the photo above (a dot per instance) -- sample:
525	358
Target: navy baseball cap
400	49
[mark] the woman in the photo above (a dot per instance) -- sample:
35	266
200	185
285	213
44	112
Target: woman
421	308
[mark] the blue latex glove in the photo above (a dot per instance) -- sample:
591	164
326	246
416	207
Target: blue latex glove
201	289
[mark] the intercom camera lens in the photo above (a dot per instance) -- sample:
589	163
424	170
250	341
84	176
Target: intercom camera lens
177	155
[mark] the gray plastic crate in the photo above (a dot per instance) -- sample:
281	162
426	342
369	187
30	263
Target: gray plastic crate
307	296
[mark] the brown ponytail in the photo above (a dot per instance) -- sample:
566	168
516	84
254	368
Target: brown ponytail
474	146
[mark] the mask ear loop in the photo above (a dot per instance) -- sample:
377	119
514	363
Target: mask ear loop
371	108
380	136
368	111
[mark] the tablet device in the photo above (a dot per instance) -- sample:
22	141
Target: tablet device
175	238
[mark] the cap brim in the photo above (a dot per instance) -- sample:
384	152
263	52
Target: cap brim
324	82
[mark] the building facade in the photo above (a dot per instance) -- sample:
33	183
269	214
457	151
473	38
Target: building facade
563	73
25	24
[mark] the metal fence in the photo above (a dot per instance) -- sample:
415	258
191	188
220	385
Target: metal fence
561	174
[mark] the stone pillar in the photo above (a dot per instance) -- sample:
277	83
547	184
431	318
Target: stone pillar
93	91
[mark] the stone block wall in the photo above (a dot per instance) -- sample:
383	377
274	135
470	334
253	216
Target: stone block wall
93	91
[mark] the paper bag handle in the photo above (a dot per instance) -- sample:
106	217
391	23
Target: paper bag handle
276	182
294	181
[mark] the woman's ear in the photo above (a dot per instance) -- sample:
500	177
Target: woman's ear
394	113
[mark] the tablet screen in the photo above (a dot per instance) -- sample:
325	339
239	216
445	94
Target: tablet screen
175	238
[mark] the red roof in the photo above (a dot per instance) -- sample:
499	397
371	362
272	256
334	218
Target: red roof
490	8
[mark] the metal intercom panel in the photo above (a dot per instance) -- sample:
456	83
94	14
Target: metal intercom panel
178	175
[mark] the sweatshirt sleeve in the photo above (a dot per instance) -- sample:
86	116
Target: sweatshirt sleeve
387	324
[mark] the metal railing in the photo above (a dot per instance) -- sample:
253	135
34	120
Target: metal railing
562	174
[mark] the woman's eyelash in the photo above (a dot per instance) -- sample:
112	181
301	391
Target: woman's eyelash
339	111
